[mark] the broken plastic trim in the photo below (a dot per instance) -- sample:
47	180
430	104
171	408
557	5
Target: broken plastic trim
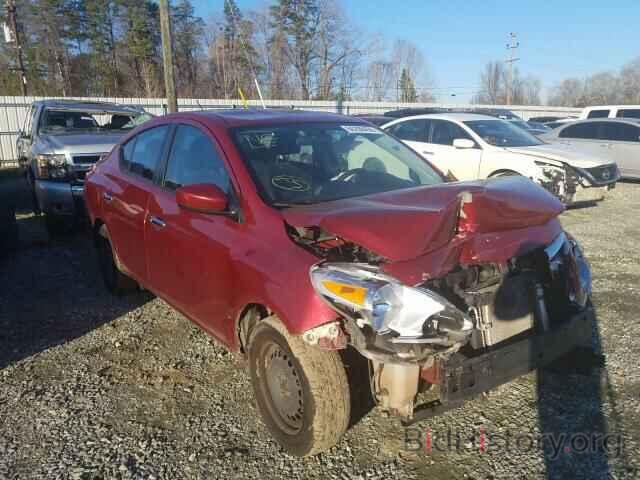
410	315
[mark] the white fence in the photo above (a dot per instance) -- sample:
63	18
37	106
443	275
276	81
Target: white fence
13	111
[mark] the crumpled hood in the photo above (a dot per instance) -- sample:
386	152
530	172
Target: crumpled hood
559	153
81	142
404	224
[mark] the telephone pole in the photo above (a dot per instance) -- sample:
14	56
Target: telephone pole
167	57
13	25
511	47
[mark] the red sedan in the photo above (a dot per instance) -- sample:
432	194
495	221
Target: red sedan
290	236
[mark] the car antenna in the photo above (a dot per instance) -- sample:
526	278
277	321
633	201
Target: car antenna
244	49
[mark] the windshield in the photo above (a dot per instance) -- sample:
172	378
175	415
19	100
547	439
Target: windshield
66	121
310	163
502	134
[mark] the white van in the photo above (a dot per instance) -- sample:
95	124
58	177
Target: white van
611	111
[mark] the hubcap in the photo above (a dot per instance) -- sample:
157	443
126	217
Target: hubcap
284	388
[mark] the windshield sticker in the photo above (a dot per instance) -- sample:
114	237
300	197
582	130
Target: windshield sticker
358	129
291	184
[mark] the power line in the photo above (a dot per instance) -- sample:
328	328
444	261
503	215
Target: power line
511	47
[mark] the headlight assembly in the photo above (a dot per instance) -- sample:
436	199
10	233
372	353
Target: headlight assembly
52	167
410	314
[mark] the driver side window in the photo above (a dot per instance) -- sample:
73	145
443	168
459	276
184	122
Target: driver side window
444	133
194	159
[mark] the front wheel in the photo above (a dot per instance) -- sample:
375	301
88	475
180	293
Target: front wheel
301	391
116	282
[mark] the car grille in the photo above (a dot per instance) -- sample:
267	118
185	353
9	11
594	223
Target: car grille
80	159
604	174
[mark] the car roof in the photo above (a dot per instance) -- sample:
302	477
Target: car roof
460	117
241	117
599	107
87	106
632	120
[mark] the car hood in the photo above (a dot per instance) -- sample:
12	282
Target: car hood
81	142
404	224
559	153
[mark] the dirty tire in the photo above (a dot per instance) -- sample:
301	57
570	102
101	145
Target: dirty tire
116	282
324	391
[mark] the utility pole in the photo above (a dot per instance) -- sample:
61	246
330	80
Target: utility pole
13	25
167	56
511	47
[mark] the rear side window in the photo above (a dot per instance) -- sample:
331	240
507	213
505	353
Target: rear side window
194	159
411	130
598	114
581	130
628	113
620	132
126	154
146	153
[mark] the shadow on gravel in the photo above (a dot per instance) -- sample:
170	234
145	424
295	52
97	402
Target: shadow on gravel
579	440
51	291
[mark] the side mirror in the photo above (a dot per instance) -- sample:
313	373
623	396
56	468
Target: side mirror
202	197
463	143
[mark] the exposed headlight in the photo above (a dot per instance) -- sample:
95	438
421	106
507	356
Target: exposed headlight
387	305
52	167
549	170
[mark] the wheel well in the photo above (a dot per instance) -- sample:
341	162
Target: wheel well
249	318
98	230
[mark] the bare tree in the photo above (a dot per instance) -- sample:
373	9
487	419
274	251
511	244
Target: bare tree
492	84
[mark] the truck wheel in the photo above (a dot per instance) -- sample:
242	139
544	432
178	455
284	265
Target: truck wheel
116	282
301	391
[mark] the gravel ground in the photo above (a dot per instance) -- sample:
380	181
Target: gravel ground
98	387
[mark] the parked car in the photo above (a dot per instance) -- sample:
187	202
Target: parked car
615	140
547	118
611	111
474	146
60	141
505	114
290	236
376	120
410	112
534	128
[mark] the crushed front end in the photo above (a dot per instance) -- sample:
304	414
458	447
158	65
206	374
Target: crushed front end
465	332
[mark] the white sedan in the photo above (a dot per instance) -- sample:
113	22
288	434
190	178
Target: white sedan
470	146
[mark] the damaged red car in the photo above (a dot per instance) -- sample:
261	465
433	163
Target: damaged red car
291	236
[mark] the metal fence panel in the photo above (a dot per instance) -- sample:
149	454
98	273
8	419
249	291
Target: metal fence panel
13	111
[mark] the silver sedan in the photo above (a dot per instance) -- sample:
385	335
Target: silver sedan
614	139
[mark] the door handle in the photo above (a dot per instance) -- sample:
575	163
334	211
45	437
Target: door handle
107	196
427	153
158	222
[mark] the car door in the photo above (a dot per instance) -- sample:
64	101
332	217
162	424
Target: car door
125	199
624	144
188	251
583	137
463	163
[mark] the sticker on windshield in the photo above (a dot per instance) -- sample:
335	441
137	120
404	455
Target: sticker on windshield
357	129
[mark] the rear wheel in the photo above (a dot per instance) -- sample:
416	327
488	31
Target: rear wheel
116	282
301	391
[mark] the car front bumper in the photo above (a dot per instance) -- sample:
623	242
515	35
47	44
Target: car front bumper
59	198
463	378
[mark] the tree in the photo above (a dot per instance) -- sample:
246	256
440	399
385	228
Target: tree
299	23
407	88
187	39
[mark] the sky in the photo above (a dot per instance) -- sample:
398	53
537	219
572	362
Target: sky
558	39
